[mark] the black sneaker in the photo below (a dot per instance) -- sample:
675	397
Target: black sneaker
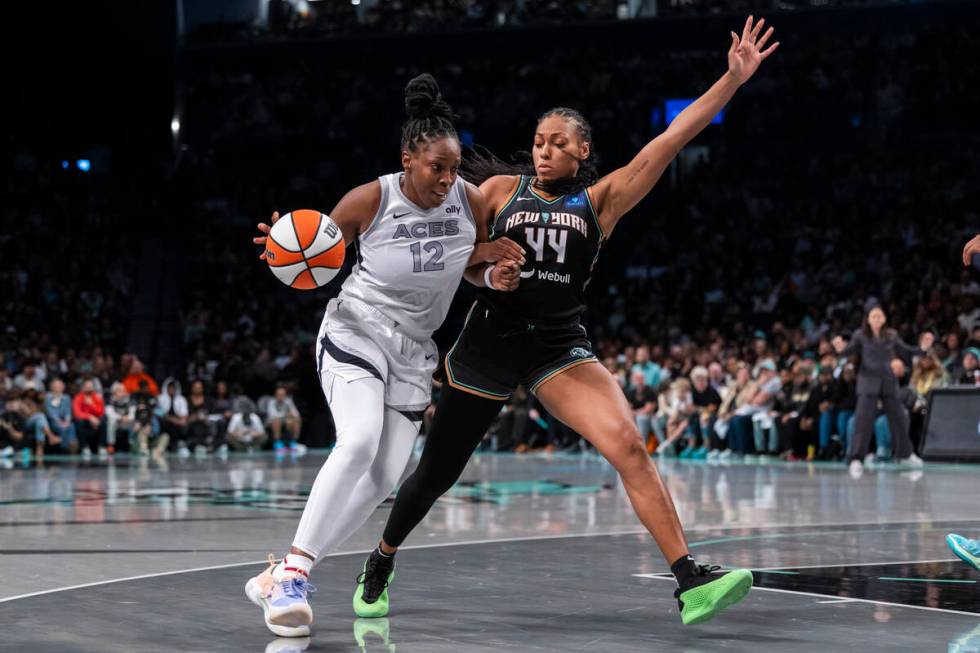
371	595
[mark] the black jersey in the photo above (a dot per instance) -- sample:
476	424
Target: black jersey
561	239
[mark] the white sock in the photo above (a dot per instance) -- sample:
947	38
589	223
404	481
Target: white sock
293	565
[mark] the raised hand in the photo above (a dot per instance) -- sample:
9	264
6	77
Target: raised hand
746	52
265	229
971	248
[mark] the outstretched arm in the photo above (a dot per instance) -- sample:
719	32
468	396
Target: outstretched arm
619	191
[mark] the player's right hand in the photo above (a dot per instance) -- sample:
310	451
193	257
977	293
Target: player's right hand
971	248
265	229
506	276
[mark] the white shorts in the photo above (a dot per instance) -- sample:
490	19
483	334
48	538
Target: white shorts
357	341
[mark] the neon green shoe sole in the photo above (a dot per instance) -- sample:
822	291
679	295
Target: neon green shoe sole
371	610
705	601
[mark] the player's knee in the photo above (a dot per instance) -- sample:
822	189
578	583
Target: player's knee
626	448
357	453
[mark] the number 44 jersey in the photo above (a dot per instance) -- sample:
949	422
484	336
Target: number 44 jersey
410	260
561	238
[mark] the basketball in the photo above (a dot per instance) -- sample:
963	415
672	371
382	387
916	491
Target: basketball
305	249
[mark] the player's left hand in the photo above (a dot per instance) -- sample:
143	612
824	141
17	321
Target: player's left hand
746	52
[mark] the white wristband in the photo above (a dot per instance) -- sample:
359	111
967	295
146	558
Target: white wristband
486	277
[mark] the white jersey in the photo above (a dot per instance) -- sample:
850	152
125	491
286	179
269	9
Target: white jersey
410	260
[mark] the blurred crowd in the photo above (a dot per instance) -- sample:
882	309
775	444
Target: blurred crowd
288	19
830	185
89	407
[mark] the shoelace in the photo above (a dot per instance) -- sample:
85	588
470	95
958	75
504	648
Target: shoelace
374	582
295	588
704	570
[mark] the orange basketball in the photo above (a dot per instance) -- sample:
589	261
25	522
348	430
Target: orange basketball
305	249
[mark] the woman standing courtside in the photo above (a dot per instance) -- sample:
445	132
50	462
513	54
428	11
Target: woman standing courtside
876	346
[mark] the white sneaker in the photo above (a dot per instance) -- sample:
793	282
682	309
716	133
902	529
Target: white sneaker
222	451
725	455
283	601
103	453
200	451
869	460
855	469
911	461
713	454
183	451
86	454
6	452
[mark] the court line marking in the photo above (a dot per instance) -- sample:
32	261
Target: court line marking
473	542
856	564
849	598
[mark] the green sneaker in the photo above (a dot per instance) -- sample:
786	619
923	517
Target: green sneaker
712	594
371	595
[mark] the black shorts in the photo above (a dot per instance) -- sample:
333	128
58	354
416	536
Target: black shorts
494	354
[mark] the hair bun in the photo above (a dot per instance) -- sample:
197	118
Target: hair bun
423	99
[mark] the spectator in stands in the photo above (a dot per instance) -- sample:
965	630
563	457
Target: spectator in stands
88	409
737	393
201	429
511	426
120	417
927	375
146	424
675	410
821	407
245	430
706	402
12	430
36	426
845	403
172	411
797	419
643	400
136	374
652	372
58	409
717	378
221	408
970	367
283	419
761	409
29	378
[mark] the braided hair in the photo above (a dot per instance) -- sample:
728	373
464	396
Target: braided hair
481	164
429	116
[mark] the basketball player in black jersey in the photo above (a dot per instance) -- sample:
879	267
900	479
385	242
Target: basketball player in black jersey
560	213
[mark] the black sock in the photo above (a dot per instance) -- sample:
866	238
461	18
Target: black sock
684	571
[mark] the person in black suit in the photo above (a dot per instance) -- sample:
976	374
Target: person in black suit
876	347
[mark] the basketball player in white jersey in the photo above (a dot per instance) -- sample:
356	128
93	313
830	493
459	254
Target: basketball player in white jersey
415	233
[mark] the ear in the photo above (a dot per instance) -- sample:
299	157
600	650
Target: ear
585	150
406	160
